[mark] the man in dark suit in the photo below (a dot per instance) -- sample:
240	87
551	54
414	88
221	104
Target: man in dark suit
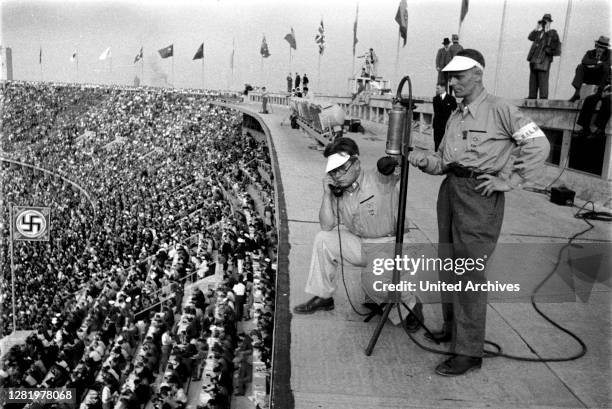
443	105
594	68
545	45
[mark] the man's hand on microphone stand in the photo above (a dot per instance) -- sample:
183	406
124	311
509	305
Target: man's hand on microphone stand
418	158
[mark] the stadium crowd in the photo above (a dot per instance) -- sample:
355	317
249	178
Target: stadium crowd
173	192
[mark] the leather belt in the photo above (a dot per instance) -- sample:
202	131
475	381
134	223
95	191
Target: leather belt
464	172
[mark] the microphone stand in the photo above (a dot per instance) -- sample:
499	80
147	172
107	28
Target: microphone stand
398	142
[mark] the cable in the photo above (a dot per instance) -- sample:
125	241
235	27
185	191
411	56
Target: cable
342	261
586	216
547	188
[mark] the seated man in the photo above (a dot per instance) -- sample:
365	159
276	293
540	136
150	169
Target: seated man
366	203
588	110
594	68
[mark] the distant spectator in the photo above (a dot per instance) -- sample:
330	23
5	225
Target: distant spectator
442	59
545	45
455	46
264	100
305	82
289	82
443	105
298	81
372	63
594	68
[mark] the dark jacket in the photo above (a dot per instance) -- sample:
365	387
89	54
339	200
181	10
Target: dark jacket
590	58
545	44
442	111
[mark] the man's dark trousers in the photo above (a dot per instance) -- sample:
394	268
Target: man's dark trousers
538	80
588	109
468	226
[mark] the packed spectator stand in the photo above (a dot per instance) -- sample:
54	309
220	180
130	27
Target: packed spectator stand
163	245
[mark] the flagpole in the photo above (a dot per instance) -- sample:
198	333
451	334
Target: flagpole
12	268
202	68
500	49
77	65
355	37
173	85
399	38
142	68
40	63
563	41
319	74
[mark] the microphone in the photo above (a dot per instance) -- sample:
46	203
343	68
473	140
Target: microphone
400	121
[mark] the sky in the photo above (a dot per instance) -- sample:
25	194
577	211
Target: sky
60	27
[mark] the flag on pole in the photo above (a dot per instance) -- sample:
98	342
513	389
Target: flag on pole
232	56
74	56
291	39
355	41
320	38
200	53
401	17
105	54
265	53
138	56
40	56
464	9
31	223
166	51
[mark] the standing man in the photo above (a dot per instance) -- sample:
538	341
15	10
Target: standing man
479	139
305	82
264	100
442	59
594	68
297	81
455	46
443	105
545	45
289	82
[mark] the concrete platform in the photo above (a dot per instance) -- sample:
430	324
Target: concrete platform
328	366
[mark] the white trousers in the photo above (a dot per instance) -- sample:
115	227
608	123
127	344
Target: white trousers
326	259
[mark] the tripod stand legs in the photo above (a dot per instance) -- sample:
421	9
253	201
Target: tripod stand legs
378	329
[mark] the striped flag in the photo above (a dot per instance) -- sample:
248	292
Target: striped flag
138	56
320	38
291	39
401	17
166	51
199	55
105	54
464	9
265	53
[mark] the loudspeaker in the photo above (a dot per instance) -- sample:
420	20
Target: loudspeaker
562	196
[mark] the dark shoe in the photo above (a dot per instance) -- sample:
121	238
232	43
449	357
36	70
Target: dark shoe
314	304
411	323
574	98
458	365
439	336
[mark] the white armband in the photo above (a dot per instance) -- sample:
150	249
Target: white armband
529	131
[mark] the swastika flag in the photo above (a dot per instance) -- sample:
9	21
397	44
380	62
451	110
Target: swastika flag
31	223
